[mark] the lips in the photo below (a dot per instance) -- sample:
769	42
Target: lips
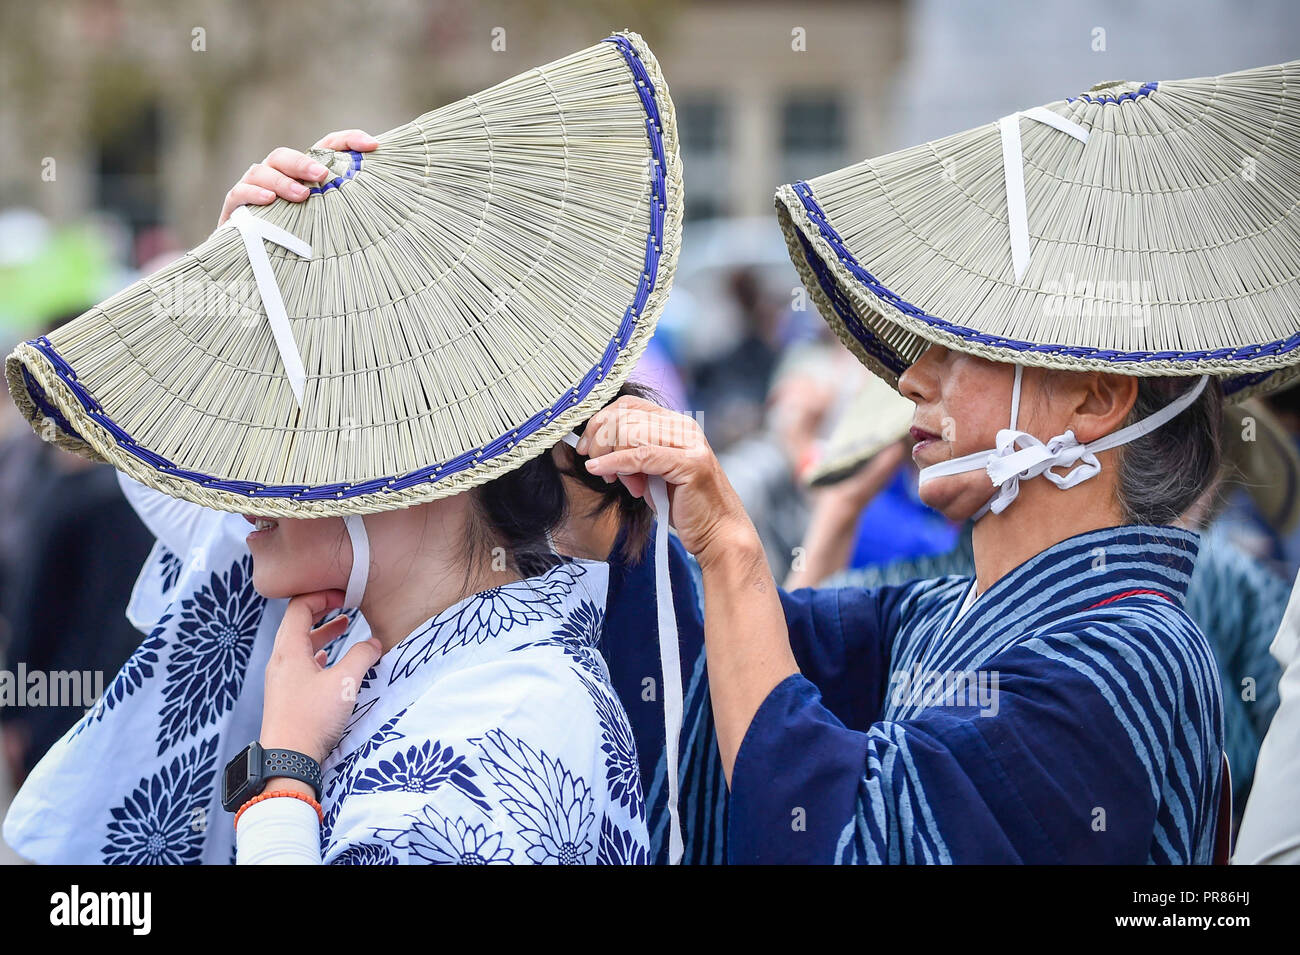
261	525
921	439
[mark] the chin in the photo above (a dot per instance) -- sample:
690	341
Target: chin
957	504
269	582
266	585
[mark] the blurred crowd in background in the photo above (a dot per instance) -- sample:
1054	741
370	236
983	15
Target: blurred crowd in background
126	122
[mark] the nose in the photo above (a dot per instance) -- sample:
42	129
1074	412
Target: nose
919	379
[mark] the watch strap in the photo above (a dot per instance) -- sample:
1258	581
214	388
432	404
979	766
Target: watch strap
291	764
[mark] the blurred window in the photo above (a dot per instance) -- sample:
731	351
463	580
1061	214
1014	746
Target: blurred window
126	170
702	124
814	134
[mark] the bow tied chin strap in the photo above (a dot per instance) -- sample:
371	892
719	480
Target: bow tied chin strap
1019	456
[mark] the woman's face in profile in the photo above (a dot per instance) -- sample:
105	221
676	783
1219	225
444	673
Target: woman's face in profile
962	402
298	555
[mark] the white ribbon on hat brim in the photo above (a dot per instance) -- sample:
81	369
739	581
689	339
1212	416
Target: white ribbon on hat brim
255	231
1013	173
1019	456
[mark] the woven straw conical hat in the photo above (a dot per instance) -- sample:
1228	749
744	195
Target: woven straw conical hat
1143	229
477	285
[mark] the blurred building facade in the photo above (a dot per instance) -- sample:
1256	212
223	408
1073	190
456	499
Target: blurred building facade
149	110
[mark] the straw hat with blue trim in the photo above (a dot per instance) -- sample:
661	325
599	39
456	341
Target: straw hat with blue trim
1145	229
444	309
1140	228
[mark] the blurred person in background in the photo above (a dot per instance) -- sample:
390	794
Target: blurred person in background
70	548
730	390
1260	511
770	471
867	509
764	466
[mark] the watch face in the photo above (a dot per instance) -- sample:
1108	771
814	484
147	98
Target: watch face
239	771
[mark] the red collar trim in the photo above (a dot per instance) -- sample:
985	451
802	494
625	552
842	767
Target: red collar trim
1129	593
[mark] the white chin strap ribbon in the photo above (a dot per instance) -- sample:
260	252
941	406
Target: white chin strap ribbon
670	658
356	526
1019	456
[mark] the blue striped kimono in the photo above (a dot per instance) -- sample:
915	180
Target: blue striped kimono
630	646
1071	714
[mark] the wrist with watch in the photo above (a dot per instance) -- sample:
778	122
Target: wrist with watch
246	775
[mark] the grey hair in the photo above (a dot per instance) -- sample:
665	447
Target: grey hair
1162	474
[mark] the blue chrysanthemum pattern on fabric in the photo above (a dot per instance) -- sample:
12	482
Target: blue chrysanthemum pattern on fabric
618	847
339	778
165	819
550	806
365	853
138	668
487	615
622	769
421	769
434	839
169	568
215	635
579	638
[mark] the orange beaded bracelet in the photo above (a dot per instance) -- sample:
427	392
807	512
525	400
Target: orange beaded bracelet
282	792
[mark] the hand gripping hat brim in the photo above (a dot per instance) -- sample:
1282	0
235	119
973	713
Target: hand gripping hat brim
471	290
1148	229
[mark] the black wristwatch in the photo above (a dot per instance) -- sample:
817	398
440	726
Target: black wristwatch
247	773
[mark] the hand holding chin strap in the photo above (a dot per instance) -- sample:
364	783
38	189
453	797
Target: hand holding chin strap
1020	456
670	659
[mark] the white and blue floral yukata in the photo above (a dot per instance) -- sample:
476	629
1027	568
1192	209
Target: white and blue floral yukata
489	735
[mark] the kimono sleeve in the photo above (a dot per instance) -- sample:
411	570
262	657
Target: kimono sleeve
1068	759
136	780
185	533
509	762
841	638
630	647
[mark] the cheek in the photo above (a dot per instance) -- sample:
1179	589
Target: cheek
976	411
975	407
296	560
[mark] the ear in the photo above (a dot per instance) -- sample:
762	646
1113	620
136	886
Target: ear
1104	405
